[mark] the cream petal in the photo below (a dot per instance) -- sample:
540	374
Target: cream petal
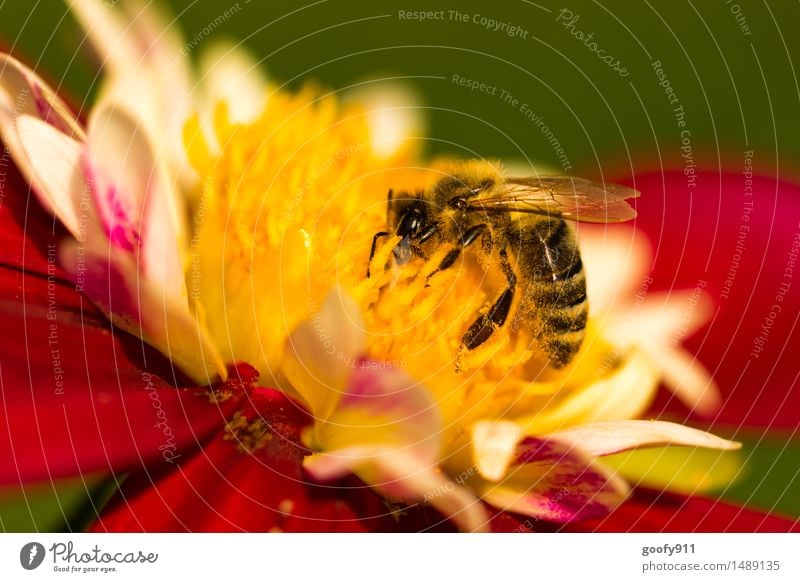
658	327
137	35
555	481
321	352
624	394
180	333
616	260
494	445
112	39
689	381
230	73
664	318
394	113
607	438
54	169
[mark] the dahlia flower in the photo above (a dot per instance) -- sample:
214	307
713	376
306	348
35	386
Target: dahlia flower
236	250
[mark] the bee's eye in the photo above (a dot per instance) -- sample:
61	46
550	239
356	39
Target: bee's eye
410	224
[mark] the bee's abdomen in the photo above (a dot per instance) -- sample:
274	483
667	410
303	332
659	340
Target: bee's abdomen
555	298
558	313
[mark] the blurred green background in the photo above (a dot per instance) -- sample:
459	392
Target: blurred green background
729	66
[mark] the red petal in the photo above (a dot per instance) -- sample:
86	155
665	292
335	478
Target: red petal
77	395
695	232
26	229
227	488
661	512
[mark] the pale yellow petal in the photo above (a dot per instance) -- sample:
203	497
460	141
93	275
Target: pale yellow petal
686	470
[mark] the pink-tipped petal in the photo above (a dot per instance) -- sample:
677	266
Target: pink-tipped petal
107	278
326	467
383	406
386	429
135	203
23	92
557	482
607	438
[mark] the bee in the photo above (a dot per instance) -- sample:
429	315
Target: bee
526	224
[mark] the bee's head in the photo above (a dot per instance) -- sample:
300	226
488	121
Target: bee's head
408	215
410	218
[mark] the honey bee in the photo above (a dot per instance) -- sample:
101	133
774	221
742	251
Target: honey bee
525	224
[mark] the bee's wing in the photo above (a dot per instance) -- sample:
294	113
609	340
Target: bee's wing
562	196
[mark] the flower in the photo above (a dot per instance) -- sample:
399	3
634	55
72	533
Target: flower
441	427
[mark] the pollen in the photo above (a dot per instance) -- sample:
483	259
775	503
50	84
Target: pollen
249	435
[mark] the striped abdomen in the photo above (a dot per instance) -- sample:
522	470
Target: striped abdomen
553	286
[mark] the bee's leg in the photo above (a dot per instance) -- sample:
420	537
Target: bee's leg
417	251
470	236
374	245
482	328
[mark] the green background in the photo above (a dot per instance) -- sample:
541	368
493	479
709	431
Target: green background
739	92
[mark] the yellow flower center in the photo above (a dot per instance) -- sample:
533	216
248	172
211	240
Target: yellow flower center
288	209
